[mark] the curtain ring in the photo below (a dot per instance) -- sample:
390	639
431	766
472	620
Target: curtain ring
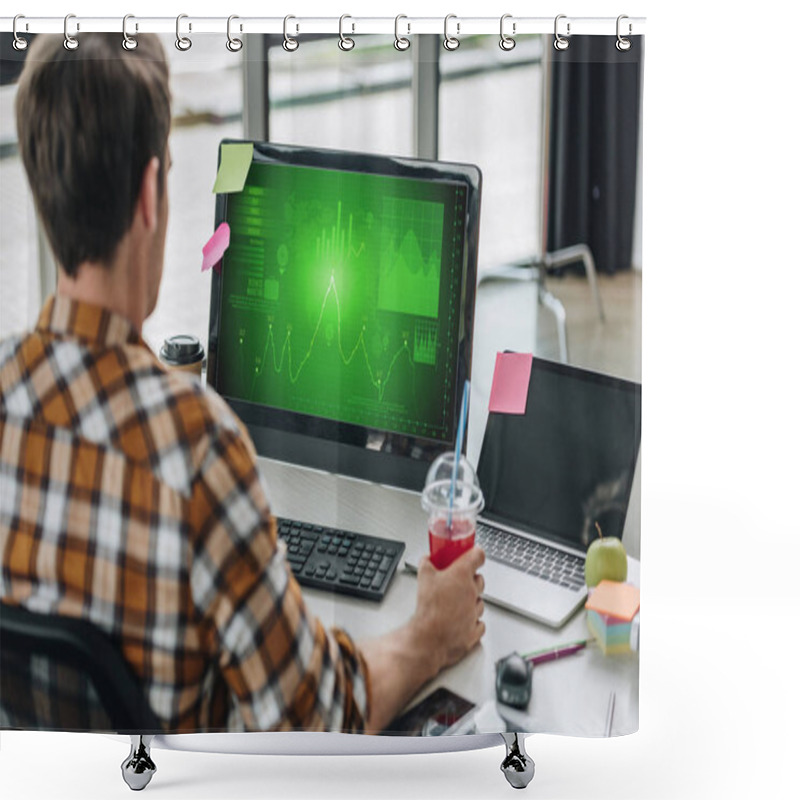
345	42
128	42
234	45
507	42
183	43
400	42
451	42
70	42
19	42
289	44
622	44
560	43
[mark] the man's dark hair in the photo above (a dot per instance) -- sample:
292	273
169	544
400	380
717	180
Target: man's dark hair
89	121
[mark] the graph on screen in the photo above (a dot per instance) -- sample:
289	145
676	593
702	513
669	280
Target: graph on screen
340	297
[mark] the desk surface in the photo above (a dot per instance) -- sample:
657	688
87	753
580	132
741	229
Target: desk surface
569	697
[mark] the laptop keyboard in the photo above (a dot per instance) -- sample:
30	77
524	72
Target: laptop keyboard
534	558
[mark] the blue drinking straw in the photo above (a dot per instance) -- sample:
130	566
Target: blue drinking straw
462	422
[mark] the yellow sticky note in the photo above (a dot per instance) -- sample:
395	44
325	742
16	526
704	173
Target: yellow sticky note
234	164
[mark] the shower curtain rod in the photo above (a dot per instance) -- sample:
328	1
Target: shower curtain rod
453	26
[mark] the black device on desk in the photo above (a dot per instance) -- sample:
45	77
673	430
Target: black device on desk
340	561
513	680
548	475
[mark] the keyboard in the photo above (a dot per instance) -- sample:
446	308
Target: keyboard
535	558
340	561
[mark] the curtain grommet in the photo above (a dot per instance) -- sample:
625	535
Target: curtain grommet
622	44
70	42
128	42
233	44
19	43
507	42
451	42
182	43
559	42
346	43
401	43
289	44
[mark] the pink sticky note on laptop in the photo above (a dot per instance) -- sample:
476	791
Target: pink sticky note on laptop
512	374
215	247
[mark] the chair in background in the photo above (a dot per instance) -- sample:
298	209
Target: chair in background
537	267
64	674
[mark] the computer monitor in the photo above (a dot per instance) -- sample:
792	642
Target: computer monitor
341	319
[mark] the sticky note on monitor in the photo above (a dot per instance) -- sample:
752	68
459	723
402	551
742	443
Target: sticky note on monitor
512	375
215	247
234	164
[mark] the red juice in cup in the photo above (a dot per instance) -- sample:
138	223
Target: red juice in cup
447	544
452	507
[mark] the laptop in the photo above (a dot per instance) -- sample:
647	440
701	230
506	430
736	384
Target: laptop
550	476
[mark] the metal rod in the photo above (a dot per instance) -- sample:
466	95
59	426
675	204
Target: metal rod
468	26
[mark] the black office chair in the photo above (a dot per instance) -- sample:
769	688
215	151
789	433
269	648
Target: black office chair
64	674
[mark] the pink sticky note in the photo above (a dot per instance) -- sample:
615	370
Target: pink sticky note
215	247
512	374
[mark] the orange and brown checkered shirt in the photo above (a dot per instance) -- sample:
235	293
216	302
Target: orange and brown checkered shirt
130	496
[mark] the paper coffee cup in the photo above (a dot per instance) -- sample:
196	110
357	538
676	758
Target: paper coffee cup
184	353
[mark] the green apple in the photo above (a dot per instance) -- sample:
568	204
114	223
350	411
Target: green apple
605	560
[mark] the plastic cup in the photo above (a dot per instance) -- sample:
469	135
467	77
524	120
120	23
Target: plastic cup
451	528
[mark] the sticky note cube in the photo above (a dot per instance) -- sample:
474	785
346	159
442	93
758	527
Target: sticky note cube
611	607
612	634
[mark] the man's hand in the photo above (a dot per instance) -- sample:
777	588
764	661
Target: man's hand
444	628
449	607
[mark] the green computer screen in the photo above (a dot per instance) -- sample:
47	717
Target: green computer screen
341	297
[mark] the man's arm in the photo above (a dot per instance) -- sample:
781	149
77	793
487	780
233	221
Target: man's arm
276	657
284	669
446	626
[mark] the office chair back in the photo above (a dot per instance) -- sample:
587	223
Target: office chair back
64	674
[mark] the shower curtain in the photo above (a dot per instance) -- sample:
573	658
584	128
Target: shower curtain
471	102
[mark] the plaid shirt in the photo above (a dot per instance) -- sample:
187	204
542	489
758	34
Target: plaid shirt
129	496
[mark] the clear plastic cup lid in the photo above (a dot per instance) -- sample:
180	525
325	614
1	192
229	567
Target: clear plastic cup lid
467	495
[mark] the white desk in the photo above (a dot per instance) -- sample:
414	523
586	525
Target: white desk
569	696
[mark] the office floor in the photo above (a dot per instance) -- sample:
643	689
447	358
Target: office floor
614	347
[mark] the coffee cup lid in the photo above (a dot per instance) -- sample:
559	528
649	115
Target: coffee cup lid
182	349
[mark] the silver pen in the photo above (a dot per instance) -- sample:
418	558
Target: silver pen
612	697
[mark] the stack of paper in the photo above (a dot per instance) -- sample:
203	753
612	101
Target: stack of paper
611	608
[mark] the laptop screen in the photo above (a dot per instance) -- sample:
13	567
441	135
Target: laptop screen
568	461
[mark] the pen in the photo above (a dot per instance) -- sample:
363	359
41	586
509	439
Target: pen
542	657
610	713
